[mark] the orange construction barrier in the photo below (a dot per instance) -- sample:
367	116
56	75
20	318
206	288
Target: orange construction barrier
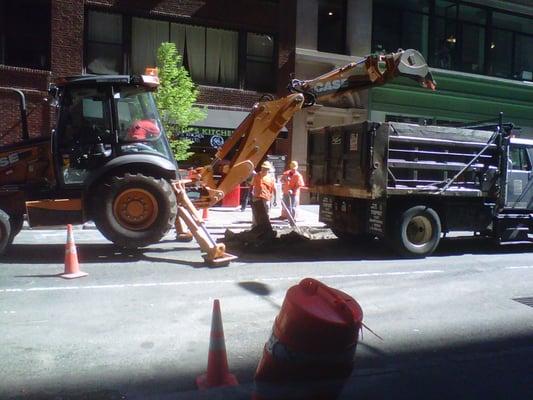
232	198
217	374
72	267
311	350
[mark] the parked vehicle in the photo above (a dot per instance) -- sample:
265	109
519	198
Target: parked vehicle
410	184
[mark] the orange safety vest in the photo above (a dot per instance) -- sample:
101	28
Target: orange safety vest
292	180
263	187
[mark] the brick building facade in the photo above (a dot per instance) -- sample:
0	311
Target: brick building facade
68	50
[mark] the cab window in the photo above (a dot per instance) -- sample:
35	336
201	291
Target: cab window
519	159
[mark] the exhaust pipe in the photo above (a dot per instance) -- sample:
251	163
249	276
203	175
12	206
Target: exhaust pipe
23	113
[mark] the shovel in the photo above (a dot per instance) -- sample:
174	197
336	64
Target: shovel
292	222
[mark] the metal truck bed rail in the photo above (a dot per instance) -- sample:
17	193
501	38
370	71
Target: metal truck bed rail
370	160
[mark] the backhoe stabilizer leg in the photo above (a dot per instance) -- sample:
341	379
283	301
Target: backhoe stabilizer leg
189	217
215	252
182	232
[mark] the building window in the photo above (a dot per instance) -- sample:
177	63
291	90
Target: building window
212	56
332	26
523	60
501	53
25	33
104	43
457	36
146	36
519	33
259	62
406	29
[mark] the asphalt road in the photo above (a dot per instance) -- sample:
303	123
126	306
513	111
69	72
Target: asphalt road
450	325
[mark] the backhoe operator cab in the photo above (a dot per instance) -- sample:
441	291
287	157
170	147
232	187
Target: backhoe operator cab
101	119
108	160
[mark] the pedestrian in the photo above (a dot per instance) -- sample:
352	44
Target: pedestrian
247	189
263	188
291	183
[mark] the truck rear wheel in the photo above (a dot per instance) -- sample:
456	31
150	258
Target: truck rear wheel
136	210
417	232
5	231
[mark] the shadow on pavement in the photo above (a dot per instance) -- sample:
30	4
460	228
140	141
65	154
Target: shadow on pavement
93	254
482	369
274	251
338	250
260	289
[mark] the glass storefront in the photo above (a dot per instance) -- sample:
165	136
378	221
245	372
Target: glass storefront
457	36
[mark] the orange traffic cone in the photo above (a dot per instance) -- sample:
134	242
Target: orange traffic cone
217	374
72	267
205	214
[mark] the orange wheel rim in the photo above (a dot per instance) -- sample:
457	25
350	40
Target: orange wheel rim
135	209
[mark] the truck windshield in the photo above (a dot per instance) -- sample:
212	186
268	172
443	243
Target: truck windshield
139	125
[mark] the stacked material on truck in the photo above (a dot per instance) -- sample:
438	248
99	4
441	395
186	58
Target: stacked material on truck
427	157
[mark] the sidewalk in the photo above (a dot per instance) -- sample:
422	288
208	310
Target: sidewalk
234	218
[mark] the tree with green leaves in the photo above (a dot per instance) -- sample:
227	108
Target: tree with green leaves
176	99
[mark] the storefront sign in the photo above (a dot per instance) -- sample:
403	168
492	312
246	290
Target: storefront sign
206	136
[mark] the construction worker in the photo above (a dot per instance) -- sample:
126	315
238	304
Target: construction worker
144	129
291	182
263	188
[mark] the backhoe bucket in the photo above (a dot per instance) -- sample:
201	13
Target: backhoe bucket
413	65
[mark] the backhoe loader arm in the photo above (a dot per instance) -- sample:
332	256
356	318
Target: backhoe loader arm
337	88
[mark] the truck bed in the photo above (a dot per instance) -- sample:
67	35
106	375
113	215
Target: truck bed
370	160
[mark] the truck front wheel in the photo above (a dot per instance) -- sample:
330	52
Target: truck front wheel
135	210
417	232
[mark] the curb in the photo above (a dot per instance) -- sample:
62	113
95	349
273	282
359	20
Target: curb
92	226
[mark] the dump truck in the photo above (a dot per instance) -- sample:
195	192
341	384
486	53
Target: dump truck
410	184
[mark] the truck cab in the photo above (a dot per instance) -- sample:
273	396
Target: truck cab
519	188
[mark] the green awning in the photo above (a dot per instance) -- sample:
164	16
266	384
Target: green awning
459	97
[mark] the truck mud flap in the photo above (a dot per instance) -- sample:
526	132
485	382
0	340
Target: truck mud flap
352	215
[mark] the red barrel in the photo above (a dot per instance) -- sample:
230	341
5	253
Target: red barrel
312	347
233	198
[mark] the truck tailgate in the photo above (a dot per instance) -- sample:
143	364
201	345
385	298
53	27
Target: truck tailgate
348	161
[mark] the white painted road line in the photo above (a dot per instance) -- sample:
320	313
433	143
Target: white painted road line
212	282
521	267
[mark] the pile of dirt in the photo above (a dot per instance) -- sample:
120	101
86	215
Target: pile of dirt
273	240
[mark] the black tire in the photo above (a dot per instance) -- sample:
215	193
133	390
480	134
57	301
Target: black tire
352	238
15	222
134	210
5	231
416	232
